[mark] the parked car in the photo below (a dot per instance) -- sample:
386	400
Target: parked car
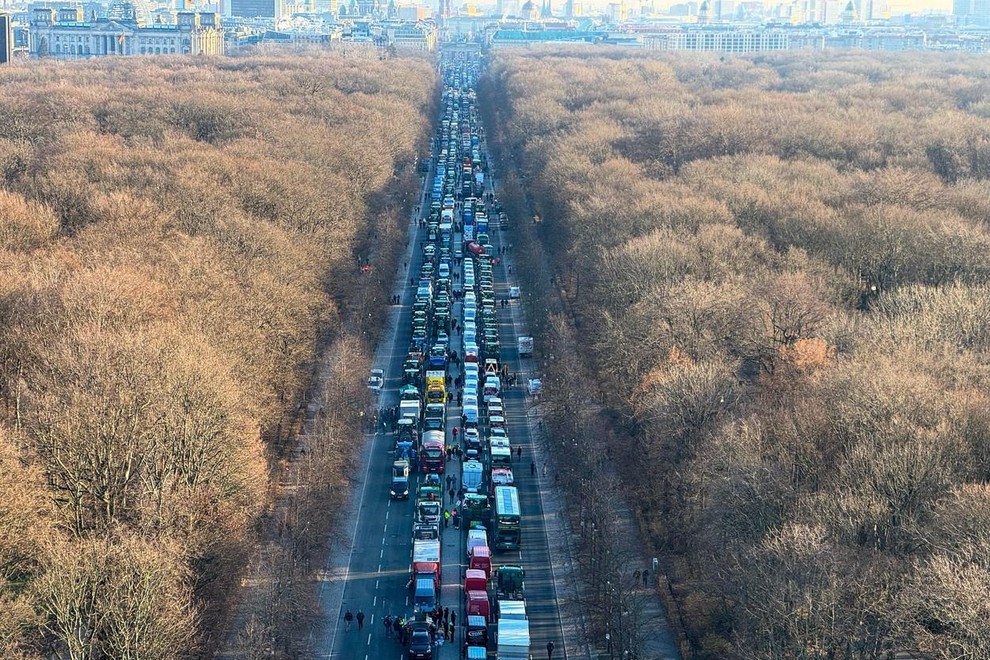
377	380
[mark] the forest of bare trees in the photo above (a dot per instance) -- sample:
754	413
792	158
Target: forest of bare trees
178	238
776	267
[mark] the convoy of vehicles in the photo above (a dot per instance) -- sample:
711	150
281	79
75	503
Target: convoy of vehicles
440	412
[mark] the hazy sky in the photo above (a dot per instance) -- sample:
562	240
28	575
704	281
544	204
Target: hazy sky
897	7
919	6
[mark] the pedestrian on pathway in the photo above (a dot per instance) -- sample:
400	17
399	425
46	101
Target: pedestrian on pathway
455	428
446	519
448	480
446	614
544	469
532	468
455	517
550	648
348	617
451	492
453	618
450	631
646	577
387	622
360	620
519	453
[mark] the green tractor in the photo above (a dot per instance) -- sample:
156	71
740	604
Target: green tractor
509	582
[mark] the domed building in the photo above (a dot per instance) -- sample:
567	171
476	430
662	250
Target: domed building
704	13
530	11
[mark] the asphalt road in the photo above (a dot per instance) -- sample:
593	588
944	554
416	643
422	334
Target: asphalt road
379	564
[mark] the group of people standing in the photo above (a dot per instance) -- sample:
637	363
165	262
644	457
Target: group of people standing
442	624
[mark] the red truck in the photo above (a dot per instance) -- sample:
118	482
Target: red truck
431	456
426	559
476	604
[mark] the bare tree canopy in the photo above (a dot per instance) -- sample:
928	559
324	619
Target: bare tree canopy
774	277
178	238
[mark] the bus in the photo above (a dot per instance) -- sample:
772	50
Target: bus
506	520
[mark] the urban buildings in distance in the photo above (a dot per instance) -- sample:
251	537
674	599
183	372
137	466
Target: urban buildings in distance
90	28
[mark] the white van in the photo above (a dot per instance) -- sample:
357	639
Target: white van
493	387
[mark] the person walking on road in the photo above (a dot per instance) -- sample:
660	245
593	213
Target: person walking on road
360	620
519	453
446	614
452	492
646	577
550	648
348	617
387	622
532	468
446	519
453	619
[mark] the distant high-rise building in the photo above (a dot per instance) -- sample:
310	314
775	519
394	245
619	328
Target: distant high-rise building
864	10
6	39
253	8
972	12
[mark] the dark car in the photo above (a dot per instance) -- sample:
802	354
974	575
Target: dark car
420	645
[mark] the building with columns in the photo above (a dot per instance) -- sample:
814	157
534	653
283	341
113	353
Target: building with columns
65	34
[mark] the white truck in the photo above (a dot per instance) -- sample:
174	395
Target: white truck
512	639
410	409
472	473
512	609
525	345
